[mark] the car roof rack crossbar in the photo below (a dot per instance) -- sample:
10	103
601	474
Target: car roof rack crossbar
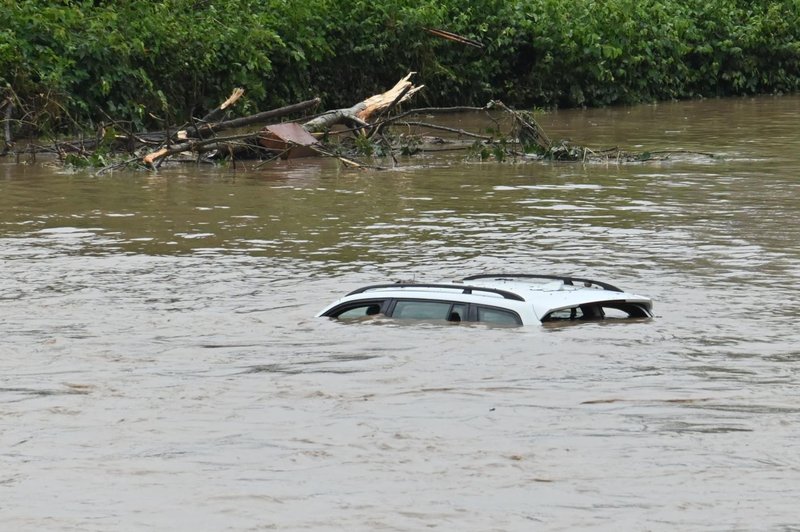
465	289
565	279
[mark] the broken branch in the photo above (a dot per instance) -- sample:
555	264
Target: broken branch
461	132
258	118
216	114
360	113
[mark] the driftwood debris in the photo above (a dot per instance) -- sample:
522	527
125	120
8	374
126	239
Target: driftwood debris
529	130
373	128
197	137
357	116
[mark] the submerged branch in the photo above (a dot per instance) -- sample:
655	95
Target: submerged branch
460	132
191	146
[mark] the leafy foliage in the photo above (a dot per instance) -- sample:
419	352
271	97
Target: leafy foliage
72	63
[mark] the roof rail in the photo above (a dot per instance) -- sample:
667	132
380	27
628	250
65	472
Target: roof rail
565	279
465	289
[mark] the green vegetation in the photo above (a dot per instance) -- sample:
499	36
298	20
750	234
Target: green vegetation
71	63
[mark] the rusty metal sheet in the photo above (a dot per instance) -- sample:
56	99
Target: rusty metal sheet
290	138
292	133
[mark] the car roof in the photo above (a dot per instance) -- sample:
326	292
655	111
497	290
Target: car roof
541	294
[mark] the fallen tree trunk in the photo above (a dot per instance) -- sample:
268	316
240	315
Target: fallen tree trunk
258	118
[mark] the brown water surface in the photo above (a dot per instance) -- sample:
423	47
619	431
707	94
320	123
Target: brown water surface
160	366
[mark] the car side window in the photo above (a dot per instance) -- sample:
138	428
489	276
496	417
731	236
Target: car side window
458	312
421	310
359	310
498	316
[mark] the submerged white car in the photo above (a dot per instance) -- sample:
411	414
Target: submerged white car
500	299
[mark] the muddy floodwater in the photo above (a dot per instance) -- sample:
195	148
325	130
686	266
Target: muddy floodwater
161	368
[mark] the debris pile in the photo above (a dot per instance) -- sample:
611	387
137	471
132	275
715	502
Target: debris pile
372	128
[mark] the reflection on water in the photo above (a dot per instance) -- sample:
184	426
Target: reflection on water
159	353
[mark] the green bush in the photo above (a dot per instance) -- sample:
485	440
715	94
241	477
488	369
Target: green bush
71	63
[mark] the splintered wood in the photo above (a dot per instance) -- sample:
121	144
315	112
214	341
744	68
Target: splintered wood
360	114
402	91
